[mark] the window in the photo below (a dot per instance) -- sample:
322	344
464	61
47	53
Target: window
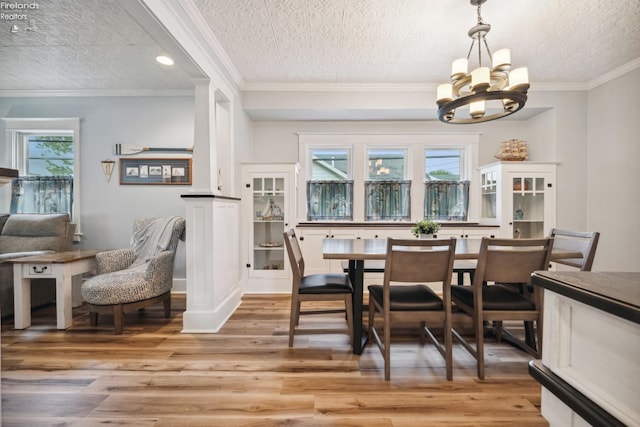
46	154
46	181
369	177
387	192
446	195
330	191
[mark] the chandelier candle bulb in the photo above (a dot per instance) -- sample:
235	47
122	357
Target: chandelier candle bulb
459	68
480	79
501	60
519	79
445	92
476	109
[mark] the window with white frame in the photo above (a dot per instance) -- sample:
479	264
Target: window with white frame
446	193
389	174
46	154
330	189
387	192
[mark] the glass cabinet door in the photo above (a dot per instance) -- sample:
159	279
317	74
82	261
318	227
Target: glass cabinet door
528	206
489	187
268	223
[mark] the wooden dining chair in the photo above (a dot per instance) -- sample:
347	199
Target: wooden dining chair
582	241
502	262
422	263
315	287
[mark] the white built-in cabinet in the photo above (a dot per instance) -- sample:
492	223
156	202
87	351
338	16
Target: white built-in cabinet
520	197
268	210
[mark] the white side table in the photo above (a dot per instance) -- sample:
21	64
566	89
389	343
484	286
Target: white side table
66	267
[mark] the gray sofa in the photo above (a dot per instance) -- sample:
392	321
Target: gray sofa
25	235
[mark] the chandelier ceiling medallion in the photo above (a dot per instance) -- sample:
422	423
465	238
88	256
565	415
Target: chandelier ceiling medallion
499	85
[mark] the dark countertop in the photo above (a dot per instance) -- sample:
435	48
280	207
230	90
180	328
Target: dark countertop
617	293
399	224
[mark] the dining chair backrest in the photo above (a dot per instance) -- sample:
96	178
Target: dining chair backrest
511	260
582	241
419	260
295	254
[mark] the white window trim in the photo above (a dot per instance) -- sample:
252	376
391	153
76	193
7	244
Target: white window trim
16	127
415	143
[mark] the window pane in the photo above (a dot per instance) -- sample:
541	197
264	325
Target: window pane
329	200
446	201
50	155
330	165
387	200
442	164
386	164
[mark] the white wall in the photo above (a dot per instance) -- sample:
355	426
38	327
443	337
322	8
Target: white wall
109	209
613	174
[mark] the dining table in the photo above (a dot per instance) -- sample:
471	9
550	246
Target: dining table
357	251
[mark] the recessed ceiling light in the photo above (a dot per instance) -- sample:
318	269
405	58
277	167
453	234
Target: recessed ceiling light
164	60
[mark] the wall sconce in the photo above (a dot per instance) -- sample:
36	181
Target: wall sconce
107	168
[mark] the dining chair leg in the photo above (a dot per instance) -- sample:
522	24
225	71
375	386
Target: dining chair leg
293	319
372	313
479	327
448	347
349	312
387	349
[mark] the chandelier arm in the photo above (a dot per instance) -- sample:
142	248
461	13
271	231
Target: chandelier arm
473	41
486	45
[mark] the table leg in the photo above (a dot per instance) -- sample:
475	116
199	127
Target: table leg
76	290
63	296
21	297
356	275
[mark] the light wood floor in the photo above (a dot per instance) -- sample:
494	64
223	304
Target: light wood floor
246	375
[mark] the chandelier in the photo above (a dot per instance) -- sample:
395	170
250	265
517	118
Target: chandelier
499	85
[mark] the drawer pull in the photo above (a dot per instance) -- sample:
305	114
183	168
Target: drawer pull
40	271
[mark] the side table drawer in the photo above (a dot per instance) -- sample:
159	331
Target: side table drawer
39	270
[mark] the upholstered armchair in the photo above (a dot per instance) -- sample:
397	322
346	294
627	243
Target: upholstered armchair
132	278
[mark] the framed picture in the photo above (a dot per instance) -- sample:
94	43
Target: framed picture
160	171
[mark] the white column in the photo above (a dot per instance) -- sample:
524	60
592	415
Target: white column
205	162
212	243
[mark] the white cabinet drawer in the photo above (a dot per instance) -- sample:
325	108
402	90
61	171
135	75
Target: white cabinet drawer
40	270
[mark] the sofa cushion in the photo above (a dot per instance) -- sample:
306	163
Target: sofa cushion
32	232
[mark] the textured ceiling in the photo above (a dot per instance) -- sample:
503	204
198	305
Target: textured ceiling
84	45
109	44
414	41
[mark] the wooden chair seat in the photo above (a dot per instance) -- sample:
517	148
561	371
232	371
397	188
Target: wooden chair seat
495	297
409	298
325	284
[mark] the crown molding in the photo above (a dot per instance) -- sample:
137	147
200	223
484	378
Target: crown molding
614	74
386	87
94	93
339	87
201	30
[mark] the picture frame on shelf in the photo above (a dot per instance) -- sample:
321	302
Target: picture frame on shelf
155	171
